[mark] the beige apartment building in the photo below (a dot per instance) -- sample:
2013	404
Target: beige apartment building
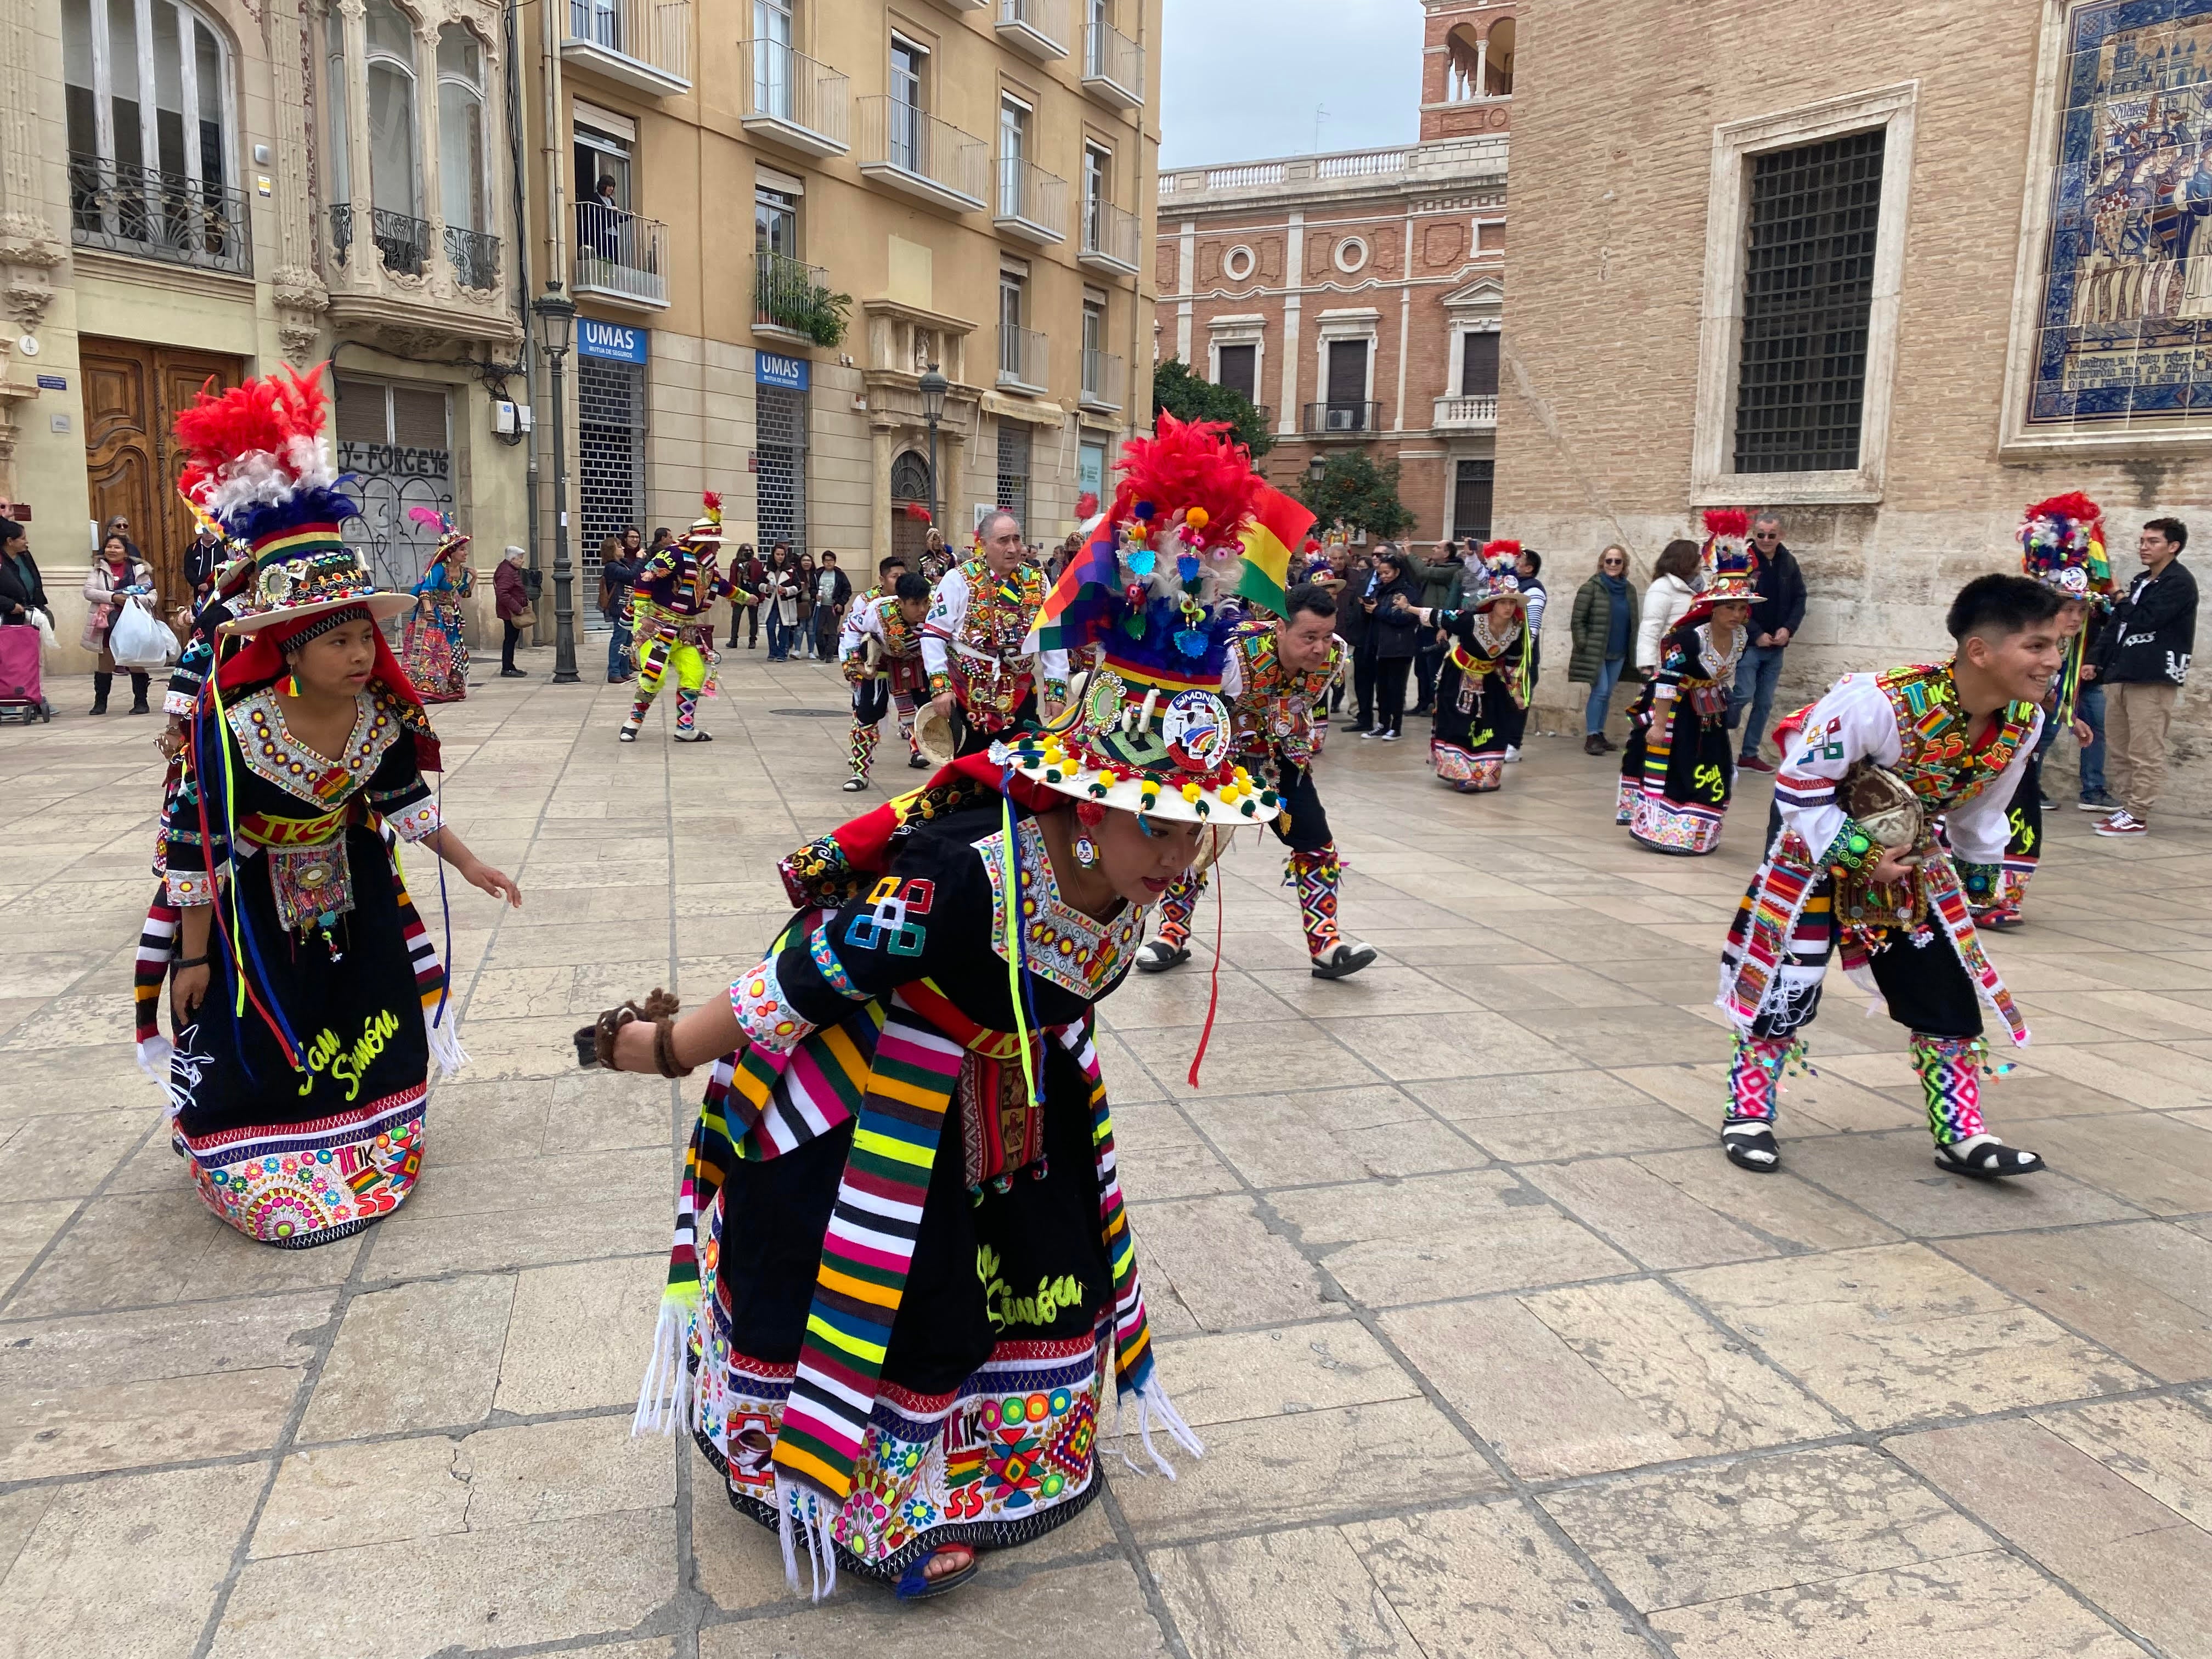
1894	296
776	216
1358	296
196	190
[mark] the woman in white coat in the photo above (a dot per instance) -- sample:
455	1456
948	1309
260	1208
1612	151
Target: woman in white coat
1674	590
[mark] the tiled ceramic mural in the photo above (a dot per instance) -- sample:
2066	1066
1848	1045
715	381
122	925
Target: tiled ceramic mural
2126	320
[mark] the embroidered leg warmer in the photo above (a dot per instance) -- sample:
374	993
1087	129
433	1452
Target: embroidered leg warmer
1950	1071
687	707
1756	1077
638	709
863	747
1175	906
1317	874
902	704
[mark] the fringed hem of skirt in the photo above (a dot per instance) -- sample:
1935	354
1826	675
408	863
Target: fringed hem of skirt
976	1535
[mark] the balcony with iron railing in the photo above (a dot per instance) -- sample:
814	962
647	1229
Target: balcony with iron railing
1477	412
644	45
790	99
1036	28
474	257
1109	239
1025	359
1338	419
621	256
403	242
116	208
1103	378
1032	203
1113	66
912	151
793	299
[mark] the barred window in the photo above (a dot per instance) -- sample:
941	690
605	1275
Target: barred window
1472	487
1808	296
609	454
1014	472
779	416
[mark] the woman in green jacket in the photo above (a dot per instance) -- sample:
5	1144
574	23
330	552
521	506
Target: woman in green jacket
1603	628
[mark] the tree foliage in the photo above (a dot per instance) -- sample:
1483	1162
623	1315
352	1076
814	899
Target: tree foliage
1189	397
1351	487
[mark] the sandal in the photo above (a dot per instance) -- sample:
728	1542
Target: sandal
595	1043
915	1585
628	734
1985	1157
1750	1145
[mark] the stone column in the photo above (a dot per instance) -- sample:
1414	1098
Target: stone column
30	249
299	293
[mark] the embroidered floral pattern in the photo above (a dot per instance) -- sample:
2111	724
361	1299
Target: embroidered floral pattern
273	754
417	821
832	970
764	1014
1060	943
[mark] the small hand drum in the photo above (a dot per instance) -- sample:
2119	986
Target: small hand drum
1884	803
934	736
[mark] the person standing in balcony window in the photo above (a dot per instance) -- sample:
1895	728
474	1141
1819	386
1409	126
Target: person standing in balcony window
603	220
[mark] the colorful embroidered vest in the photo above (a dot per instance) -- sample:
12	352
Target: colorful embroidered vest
1275	709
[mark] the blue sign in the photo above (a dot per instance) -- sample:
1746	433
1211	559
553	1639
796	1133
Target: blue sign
789	372
52	383
597	339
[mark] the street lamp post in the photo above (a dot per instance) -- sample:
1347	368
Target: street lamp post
934	386
556	316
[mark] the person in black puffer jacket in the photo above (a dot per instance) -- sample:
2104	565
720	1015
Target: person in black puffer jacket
1393	638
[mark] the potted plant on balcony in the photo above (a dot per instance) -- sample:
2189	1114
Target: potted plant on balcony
798	303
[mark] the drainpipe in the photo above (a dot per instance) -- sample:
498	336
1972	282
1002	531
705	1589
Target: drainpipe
516	164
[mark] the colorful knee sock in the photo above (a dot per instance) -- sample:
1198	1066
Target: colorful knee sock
638	709
903	704
1755	1076
1316	875
1950	1071
863	747
1180	899
687	707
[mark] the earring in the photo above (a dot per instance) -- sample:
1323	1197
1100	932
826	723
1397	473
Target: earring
1087	853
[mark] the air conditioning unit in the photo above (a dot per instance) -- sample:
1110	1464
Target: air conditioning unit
1343	418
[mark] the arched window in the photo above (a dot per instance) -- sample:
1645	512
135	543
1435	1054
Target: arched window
394	183
910	477
1498	60
151	118
1462	64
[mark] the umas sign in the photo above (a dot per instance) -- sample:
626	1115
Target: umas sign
597	339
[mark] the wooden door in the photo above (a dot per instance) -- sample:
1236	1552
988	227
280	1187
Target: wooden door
132	394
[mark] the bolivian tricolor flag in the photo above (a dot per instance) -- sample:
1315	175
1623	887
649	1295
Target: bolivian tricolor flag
1278	523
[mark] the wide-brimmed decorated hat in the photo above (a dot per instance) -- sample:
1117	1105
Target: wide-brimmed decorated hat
2062	546
257	463
1153	594
1496	577
706	529
1725	556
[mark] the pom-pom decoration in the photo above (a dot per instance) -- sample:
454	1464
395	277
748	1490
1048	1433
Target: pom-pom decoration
1086	504
917	511
2061	544
1725	522
1500	549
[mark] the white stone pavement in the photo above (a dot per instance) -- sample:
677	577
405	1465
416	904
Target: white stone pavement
1493	1354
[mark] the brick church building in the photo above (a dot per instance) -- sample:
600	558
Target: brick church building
1357	296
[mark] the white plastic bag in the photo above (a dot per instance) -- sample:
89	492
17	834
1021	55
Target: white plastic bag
46	629
139	640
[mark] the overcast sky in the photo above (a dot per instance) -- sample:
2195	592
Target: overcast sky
1240	79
